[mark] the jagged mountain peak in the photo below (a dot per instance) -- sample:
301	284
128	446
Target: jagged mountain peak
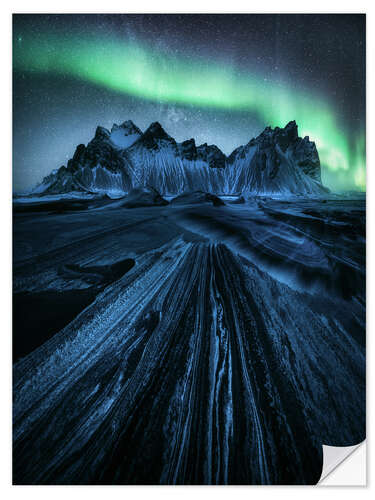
282	137
188	142
154	137
128	127
188	149
275	161
292	127
124	135
271	150
157	131
129	124
290	131
101	133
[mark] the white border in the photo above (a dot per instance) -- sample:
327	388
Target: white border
347	471
111	6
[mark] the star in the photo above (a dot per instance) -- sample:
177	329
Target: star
226	78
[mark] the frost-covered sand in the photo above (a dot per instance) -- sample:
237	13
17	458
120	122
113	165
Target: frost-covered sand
191	343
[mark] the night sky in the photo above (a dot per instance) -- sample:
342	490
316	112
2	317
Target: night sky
218	78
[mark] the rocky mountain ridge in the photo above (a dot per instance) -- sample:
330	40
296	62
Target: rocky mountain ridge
277	161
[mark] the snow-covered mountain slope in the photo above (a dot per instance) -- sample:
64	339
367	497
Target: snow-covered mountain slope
123	136
277	161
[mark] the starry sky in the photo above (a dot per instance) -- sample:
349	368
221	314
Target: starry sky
218	78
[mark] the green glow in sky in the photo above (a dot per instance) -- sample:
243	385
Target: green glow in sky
139	71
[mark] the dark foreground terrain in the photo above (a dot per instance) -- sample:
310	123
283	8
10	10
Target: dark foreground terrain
188	343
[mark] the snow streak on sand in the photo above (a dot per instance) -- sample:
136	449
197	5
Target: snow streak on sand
194	368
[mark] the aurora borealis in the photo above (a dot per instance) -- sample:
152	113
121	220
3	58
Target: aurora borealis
195	88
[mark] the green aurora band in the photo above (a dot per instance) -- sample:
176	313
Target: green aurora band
137	70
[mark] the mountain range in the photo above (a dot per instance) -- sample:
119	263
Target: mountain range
124	158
